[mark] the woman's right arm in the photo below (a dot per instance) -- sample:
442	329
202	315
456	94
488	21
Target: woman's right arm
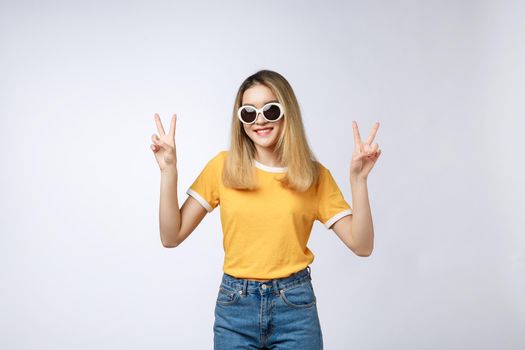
169	212
175	224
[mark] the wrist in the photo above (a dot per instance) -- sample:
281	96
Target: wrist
169	171
354	179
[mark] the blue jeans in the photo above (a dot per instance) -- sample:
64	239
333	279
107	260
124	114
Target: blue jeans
278	314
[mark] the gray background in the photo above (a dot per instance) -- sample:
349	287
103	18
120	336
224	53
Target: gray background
81	262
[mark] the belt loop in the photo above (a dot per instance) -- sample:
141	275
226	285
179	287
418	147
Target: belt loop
245	287
275	287
309	271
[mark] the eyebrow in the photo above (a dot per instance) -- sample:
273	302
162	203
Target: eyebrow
265	103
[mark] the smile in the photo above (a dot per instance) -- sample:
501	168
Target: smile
264	132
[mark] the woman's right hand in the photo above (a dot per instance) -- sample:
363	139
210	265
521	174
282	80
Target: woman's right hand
164	146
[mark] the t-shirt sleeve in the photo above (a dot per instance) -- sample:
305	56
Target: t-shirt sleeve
205	188
331	205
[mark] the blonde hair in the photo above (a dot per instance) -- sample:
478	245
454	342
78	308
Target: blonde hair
291	149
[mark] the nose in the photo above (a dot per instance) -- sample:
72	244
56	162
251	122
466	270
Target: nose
260	120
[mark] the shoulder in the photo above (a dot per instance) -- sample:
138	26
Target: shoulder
320	165
219	155
323	171
222	154
218	159
325	177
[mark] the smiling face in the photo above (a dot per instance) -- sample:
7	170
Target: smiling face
263	133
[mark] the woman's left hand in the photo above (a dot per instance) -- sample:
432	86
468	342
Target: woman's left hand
365	154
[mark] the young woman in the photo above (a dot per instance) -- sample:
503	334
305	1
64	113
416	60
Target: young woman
271	189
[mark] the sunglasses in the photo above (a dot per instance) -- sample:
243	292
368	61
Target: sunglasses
272	112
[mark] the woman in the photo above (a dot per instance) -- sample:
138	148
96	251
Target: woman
271	189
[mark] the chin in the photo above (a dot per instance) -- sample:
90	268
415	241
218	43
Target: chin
265	144
262	144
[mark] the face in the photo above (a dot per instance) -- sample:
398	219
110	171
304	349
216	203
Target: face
259	95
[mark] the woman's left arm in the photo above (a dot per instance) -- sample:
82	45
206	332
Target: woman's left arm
362	229
357	230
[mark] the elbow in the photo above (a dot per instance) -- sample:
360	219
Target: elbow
167	245
169	236
364	252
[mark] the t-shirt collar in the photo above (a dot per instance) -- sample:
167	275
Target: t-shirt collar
271	169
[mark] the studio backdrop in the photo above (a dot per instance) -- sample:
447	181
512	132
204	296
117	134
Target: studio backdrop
81	261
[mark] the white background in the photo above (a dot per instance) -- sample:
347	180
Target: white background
81	262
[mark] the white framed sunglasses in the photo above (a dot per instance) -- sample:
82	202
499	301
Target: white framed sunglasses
272	112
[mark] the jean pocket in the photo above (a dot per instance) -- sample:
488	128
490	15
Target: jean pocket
300	296
227	296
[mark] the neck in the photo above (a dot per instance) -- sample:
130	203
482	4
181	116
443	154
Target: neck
266	156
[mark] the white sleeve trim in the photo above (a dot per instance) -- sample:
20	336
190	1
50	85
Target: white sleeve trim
336	217
200	199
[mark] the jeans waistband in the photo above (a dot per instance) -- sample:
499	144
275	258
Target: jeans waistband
271	286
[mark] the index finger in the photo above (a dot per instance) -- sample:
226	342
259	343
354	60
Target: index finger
373	133
160	128
173	126
357	136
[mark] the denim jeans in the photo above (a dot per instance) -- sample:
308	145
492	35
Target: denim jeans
278	314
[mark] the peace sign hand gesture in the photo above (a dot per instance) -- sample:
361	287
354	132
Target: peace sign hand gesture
365	154
164	146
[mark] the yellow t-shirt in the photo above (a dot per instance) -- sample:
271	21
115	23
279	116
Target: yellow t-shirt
265	231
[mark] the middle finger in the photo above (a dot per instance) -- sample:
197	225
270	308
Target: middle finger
372	133
173	126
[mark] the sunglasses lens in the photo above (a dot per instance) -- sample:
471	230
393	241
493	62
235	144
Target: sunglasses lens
272	112
248	114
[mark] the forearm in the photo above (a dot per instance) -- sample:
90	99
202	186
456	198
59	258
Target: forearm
169	212
362	226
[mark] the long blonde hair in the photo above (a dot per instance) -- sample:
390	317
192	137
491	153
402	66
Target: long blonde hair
292	147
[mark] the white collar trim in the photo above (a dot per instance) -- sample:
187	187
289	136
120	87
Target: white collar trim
271	169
